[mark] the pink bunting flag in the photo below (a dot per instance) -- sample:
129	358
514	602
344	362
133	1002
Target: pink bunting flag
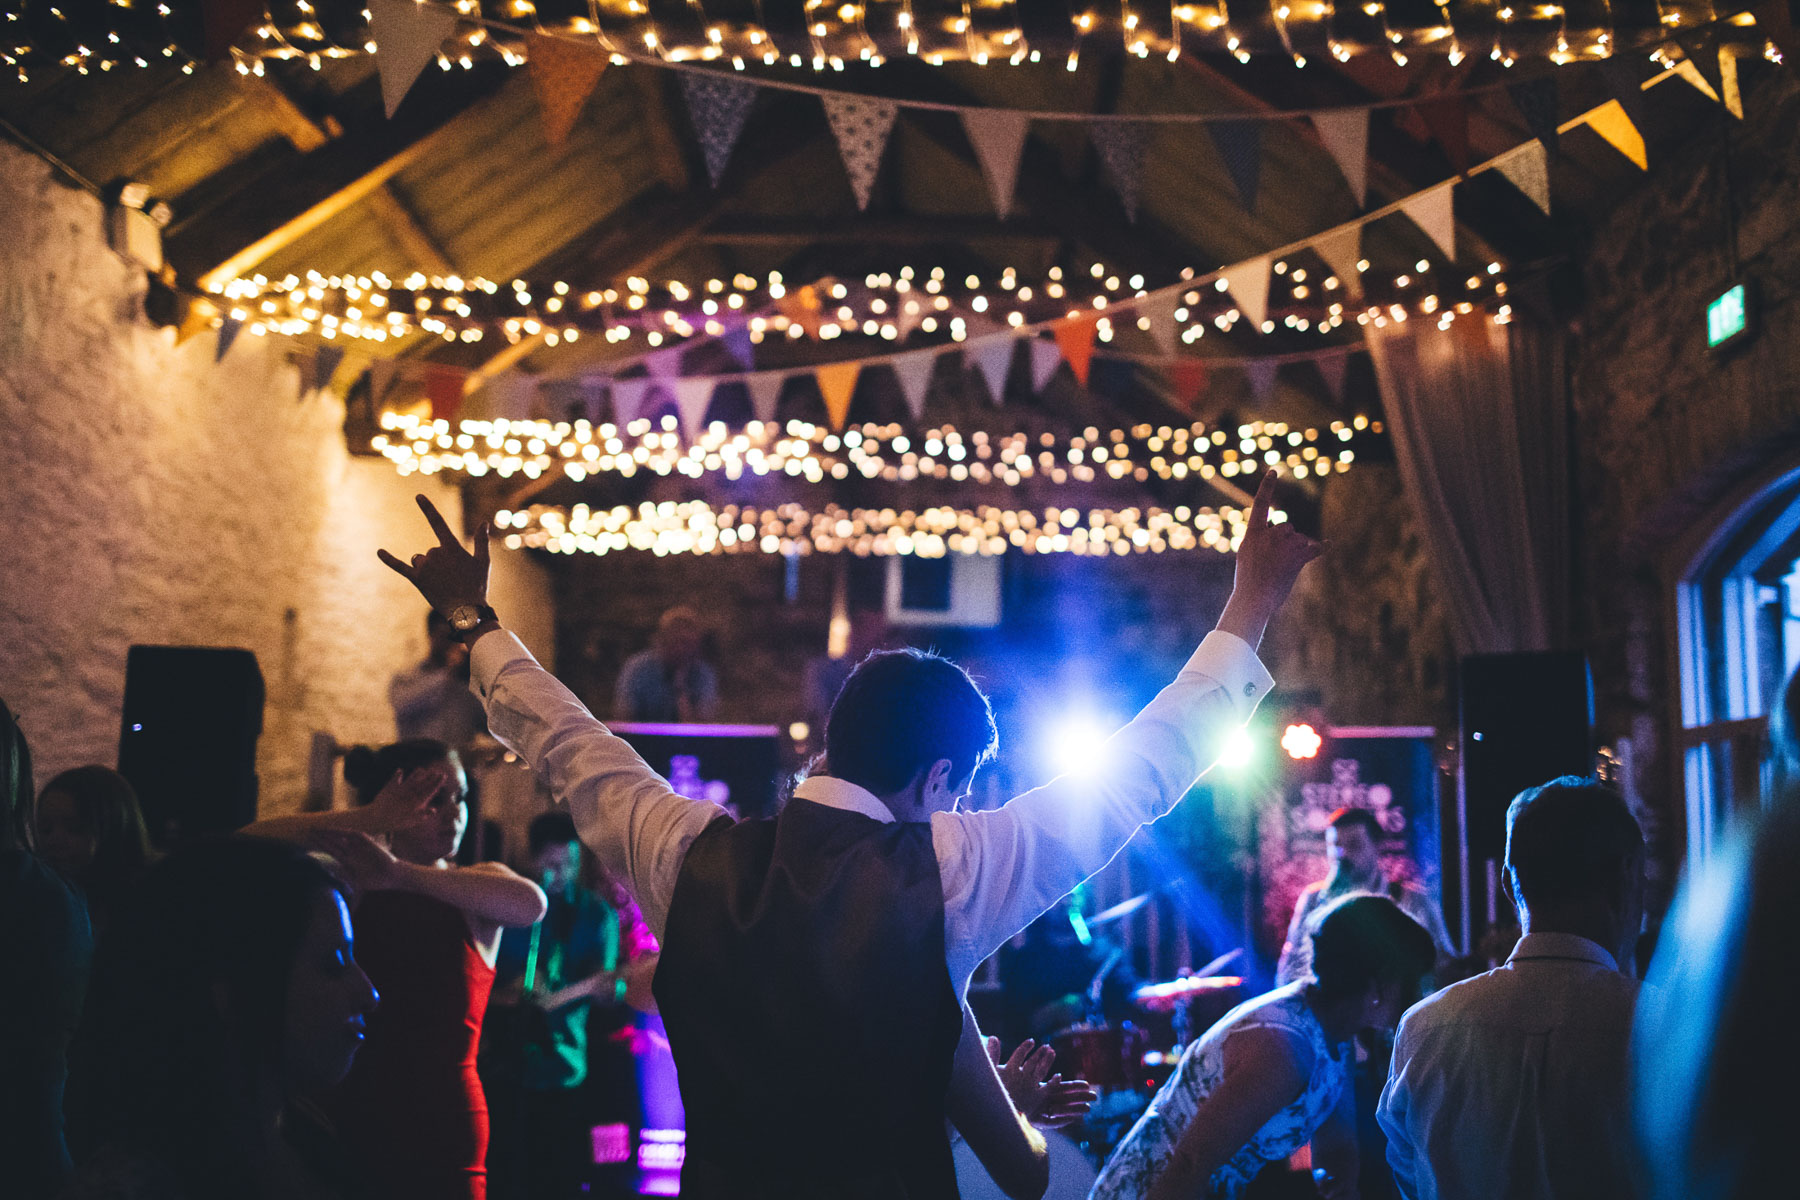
914	373
407	36
993	359
692	398
564	74
861	125
628	399
1261	374
998	136
765	393
1045	358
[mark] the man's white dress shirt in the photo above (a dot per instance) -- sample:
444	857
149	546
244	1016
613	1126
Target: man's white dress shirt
1000	868
1513	1084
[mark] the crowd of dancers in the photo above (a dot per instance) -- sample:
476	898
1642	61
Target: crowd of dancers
294	1011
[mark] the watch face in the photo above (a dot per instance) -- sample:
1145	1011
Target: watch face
463	618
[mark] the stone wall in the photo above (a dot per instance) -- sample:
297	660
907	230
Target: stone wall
151	496
1664	427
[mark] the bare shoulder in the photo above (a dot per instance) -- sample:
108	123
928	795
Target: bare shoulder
1279	1053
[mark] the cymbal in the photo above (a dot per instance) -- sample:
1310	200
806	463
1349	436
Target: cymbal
1122	909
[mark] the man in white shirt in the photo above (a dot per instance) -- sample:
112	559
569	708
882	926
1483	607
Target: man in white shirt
1514	1083
813	966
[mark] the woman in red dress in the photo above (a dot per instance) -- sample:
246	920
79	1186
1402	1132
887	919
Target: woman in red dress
412	1110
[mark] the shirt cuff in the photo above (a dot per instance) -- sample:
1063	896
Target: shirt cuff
1228	660
491	654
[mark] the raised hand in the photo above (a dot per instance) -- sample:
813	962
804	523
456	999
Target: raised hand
406	799
447	575
1269	560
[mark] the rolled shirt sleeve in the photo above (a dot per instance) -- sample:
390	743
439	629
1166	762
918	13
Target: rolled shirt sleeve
1003	867
627	814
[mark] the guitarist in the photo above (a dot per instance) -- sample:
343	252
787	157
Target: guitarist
557	983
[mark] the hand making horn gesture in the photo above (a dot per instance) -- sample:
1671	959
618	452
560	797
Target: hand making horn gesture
1269	559
447	575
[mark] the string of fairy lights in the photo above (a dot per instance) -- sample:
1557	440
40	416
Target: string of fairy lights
831	36
890	453
887	306
696	527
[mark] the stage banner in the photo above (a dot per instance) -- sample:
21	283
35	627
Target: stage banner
1391	772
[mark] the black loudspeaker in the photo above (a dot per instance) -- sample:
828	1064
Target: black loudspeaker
1526	718
188	739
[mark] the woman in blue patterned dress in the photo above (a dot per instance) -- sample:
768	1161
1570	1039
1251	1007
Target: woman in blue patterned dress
1274	1071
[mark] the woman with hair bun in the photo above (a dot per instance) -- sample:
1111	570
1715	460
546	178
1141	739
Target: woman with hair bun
428	933
1273	1074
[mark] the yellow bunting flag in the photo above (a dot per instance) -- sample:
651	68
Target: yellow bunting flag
837	382
1075	338
1611	123
563	74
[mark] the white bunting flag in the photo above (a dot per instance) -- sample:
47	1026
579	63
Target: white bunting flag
1248	283
1435	212
1046	356
692	398
999	139
628	398
407	36
1345	132
993	359
1342	250
914	372
765	393
861	125
1158	311
1528	169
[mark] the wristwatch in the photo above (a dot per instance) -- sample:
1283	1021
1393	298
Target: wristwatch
465	617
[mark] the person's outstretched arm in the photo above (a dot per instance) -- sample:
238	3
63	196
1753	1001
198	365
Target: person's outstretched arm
1003	867
626	813
1012	1151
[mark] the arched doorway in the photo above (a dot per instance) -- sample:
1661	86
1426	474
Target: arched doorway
1737	619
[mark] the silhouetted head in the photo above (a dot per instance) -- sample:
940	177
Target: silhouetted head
1575	862
910	721
1367	950
90	828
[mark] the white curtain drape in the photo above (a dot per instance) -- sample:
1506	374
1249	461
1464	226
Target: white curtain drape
1479	425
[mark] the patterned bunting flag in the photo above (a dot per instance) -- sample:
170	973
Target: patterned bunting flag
1345	132
1121	146
1528	169
861	125
692	398
1611	122
407	36
564	74
999	139
1248	283
1537	102
1045	358
1434	211
914	373
837	383
1075	339
1240	146
993	359
718	106
765	393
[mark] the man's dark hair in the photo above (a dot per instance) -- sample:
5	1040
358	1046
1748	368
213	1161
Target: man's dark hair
1569	839
899	712
1355	818
1362	940
549	829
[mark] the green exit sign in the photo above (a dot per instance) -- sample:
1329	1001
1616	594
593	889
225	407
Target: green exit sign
1728	317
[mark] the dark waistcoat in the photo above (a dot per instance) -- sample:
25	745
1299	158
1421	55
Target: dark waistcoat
810	1010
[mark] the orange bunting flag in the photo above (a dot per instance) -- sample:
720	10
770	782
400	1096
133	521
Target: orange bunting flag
837	383
564	74
1075	338
1611	123
1187	376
